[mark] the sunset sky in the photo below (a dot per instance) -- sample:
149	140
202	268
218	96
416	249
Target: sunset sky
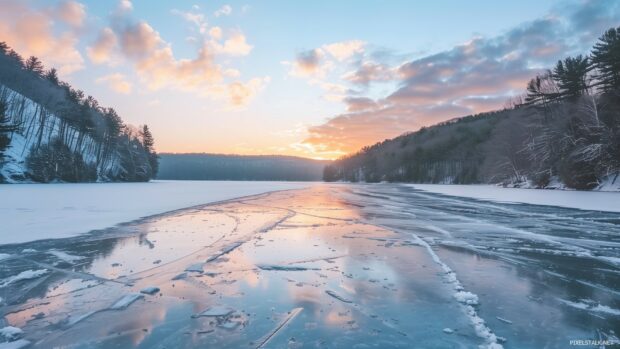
315	79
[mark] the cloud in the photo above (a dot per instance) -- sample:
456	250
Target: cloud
215	33
344	50
116	82
476	76
71	12
30	32
197	19
124	6
103	48
235	45
241	93
309	64
225	10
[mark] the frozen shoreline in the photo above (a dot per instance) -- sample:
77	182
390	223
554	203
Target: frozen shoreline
43	211
584	200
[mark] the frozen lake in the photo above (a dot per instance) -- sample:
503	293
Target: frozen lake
323	266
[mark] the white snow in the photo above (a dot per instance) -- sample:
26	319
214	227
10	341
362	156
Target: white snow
466	298
11	333
126	301
69	258
31	212
590	305
24	275
585	200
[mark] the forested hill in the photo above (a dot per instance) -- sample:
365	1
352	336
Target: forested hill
564	132
239	167
50	131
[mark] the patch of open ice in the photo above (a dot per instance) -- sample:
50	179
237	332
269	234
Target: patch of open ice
196	268
64	256
10	333
126	301
4	256
24	275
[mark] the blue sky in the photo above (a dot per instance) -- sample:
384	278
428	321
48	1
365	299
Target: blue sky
316	78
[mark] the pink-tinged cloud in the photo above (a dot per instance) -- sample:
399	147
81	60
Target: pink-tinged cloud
30	32
117	82
102	50
71	12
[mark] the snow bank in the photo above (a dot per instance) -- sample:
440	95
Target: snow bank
584	200
24	275
31	212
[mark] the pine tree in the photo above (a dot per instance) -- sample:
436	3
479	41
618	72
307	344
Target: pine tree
34	65
570	75
606	60
148	142
52	76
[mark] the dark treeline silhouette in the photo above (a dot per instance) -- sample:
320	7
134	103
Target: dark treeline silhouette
239	167
69	136
566	129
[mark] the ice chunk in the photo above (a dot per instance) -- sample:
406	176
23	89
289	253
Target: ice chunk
504	320
281	267
291	315
126	301
180	277
11	333
150	290
224	251
216	311
64	256
24	275
18	344
466	298
229	325
72	320
448	330
29	250
197	268
337	296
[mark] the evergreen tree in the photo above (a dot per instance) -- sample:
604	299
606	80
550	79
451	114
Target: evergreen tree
52	76
606	60
148	142
570	75
34	65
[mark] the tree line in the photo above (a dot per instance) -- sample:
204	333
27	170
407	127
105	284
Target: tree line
71	137
565	128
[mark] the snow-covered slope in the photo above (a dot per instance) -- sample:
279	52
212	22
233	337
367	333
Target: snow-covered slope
37	126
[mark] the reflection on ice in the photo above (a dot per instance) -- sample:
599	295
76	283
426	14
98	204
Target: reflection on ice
333	266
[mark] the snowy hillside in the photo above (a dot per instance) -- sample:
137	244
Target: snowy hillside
36	127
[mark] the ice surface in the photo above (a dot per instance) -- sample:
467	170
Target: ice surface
18	344
585	200
64	210
126	301
411	263
24	275
282	267
65	256
4	256
216	311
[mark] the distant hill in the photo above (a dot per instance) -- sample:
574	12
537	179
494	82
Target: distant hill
565	132
204	166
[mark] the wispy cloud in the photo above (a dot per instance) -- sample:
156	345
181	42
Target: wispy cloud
117	82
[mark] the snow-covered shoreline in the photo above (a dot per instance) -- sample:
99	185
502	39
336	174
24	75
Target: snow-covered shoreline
585	200
43	211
